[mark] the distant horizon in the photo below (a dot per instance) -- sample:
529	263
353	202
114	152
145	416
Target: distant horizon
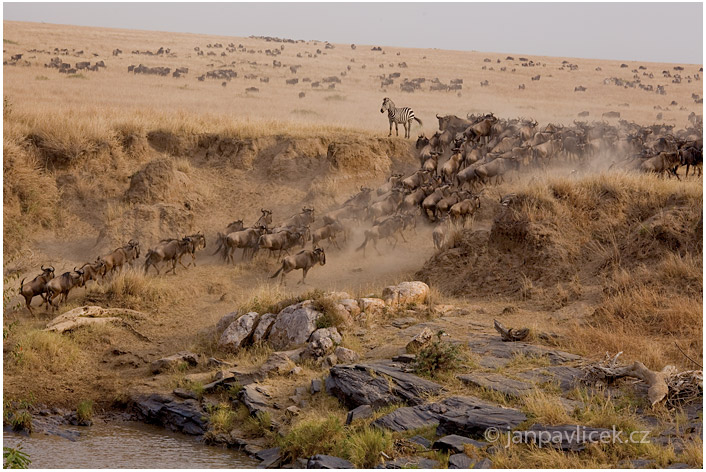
517	33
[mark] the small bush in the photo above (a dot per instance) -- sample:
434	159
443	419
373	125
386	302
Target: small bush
312	436
331	318
76	76
41	77
440	356
221	418
84	411
21	421
363	448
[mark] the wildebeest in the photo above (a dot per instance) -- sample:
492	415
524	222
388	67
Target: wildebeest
304	260
385	229
37	286
167	250
62	285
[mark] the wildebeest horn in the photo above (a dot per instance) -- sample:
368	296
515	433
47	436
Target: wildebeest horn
52	268
437	115
43	267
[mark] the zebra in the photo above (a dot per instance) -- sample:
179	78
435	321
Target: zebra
403	115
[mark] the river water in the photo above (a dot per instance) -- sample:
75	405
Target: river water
125	445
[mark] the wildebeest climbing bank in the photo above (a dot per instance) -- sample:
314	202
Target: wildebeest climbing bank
523	259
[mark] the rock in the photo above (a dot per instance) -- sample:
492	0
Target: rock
252	449
404	322
422	441
372	307
316	386
330	360
498	383
419	341
318	349
169	362
566	377
238	332
429	464
351	306
322	461
459	461
406	293
339	295
678	465
226	321
255	398
331	333
293	326
184	416
565	437
405	358
277	364
91	315
263	327
296	370
215	362
492	345
361	412
455	443
483	464
491	362
377	385
269	457
292	411
469	416
346	356
183	393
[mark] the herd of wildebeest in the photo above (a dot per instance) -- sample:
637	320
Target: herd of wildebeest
455	165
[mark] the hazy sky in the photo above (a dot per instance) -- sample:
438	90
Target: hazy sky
659	32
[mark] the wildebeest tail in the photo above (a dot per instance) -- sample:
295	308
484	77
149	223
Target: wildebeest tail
277	273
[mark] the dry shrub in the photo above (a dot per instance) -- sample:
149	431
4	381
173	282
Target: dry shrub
545	408
41	351
132	289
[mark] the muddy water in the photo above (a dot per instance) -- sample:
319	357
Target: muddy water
125	445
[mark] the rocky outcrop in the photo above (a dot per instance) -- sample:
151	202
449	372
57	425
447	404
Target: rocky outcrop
184	416
377	385
498	383
238	332
419	341
346	356
406	293
372	307
322	461
263	327
293	326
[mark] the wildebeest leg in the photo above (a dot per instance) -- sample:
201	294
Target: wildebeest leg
375	245
402	234
303	280
174	263
333	240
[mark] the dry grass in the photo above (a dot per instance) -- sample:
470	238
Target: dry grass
132	289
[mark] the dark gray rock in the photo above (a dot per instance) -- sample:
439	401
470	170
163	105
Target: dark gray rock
408	418
183	393
483	464
422	441
405	358
256	398
404	322
455	443
316	386
185	416
498	383
377	385
565	437
492	345
492	362
322	461
363	411
269	457
469	416
459	461
410	462
678	465
429	464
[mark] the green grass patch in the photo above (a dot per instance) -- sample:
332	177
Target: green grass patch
84	411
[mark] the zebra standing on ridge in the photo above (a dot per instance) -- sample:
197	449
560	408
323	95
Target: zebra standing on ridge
403	115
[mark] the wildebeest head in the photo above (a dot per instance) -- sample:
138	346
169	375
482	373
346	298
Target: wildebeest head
320	255
422	141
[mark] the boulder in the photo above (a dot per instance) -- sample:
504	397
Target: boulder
351	306
372	307
255	398
316	386
271	458
346	356
460	461
263	327
419	341
278	363
293	326
483	464
456	443
422	441
377	385
363	411
331	333
225	321
318	349
160	365
469	416
185	416
92	315
322	461
238	332
406	293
